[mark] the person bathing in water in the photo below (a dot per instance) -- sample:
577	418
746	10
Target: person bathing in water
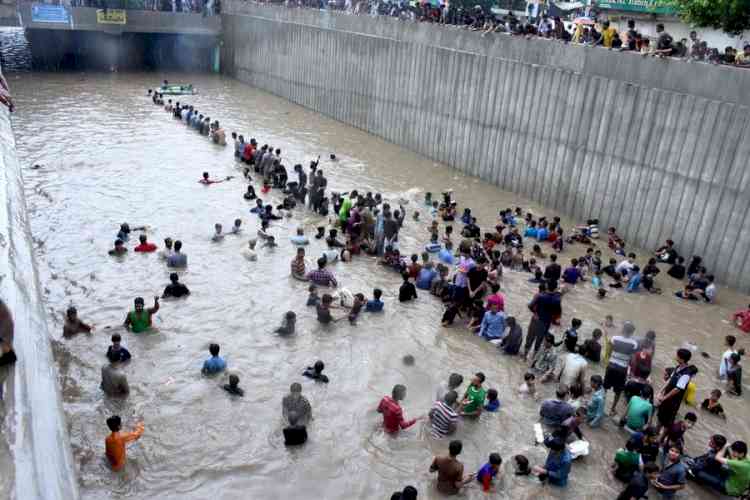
73	325
206	181
139	320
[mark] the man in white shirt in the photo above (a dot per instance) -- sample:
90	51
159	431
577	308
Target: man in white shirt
627	265
545	25
729	341
573	367
709	294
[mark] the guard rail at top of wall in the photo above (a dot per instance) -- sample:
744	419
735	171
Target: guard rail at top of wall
721	83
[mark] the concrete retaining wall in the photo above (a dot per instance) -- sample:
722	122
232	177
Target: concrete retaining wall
38	433
657	148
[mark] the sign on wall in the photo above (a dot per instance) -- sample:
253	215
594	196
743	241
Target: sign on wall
111	16
45	13
646	6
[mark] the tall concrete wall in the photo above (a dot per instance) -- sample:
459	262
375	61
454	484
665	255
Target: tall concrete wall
35	423
656	148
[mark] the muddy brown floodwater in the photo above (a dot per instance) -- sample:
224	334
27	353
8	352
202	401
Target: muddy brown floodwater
109	155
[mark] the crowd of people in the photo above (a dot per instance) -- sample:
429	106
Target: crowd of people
464	271
537	23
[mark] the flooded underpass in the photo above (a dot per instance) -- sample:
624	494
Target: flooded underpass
107	155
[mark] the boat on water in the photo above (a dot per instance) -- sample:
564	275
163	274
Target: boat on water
176	89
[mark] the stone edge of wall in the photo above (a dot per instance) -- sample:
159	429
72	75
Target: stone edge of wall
721	83
39	437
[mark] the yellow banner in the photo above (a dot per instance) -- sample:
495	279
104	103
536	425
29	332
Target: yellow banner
111	16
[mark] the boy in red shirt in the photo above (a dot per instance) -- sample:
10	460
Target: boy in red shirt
393	415
145	246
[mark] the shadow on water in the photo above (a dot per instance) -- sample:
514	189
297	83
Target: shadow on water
22	50
15	52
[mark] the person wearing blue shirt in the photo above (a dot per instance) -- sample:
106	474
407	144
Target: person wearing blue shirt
595	408
531	230
493	404
375	305
572	274
433	246
215	364
635	280
426	275
446	254
557	467
493	323
299	239
259	208
542	234
596	280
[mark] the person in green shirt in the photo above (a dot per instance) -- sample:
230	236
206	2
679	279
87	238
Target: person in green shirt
639	411
473	401
346	207
139	320
627	461
735	458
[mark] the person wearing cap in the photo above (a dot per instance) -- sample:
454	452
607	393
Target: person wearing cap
73	325
139	319
622	348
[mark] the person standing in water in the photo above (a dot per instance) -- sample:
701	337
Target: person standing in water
117	440
393	415
139	320
177	259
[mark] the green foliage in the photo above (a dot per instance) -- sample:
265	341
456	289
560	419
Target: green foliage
732	16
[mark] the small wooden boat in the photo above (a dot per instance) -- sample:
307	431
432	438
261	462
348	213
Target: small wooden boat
176	89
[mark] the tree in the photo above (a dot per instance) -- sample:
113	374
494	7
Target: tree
732	16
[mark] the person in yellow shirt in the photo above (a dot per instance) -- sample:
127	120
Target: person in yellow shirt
743	58
608	34
116	442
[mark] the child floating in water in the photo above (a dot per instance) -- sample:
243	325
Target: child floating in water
712	404
315	372
218	235
233	387
288	324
